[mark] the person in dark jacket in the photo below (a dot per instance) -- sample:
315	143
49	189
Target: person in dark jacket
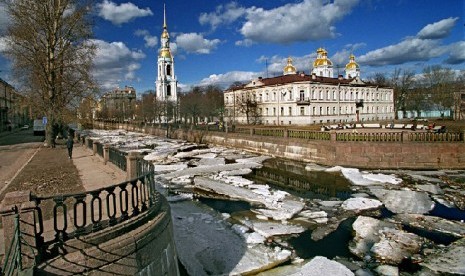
69	145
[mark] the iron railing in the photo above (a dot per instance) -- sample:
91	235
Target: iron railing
90	144
78	214
310	135
12	262
118	158
100	149
370	137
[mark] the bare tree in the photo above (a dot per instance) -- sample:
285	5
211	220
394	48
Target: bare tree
246	103
48	44
440	83
402	81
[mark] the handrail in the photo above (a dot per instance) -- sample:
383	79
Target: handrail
79	214
118	158
12	260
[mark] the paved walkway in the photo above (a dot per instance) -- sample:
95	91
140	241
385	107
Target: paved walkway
93	172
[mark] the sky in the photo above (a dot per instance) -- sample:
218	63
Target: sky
220	42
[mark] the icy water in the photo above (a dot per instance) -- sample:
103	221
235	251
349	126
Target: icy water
335	244
291	176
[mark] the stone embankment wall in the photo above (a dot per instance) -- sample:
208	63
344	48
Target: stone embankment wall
359	154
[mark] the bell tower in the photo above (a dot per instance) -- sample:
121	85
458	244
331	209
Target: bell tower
166	84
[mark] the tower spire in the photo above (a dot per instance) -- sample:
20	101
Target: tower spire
164	16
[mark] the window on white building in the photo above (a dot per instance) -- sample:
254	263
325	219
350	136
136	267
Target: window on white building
282	111
274	111
302	111
302	95
290	111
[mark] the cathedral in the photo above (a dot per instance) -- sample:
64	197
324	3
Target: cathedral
166	83
296	98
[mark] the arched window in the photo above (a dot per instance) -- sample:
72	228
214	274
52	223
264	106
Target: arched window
168	90
168	70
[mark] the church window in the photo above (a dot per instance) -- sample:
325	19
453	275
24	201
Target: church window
168	70
168	90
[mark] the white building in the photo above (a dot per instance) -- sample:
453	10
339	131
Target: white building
299	99
166	83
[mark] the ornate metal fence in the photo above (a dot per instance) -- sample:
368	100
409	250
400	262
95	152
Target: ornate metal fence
370	137
62	217
100	149
436	137
12	261
310	135
118	158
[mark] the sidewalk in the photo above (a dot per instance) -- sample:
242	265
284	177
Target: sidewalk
93	172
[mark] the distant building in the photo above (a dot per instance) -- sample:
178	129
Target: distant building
14	110
118	104
297	98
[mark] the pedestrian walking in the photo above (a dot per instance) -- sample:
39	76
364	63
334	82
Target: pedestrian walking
69	145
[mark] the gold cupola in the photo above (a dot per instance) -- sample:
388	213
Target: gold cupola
289	68
322	58
352	64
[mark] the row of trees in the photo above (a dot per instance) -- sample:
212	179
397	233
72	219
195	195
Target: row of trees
435	89
201	103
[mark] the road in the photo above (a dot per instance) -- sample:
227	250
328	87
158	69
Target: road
16	149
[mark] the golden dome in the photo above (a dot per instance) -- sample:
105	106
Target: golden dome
289	68
165	34
164	53
322	58
352	64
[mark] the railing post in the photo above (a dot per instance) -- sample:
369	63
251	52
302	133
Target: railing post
131	165
286	133
26	207
94	147
106	153
404	137
333	136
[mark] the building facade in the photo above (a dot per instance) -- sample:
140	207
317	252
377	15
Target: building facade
119	104
166	83
299	99
14	110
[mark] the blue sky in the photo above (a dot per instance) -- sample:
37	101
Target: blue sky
218	42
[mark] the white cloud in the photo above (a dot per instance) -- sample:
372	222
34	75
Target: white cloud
440	29
456	53
411	49
246	42
123	13
224	14
226	79
150	40
308	20
196	43
115	63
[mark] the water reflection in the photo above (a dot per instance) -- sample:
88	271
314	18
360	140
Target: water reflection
292	177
